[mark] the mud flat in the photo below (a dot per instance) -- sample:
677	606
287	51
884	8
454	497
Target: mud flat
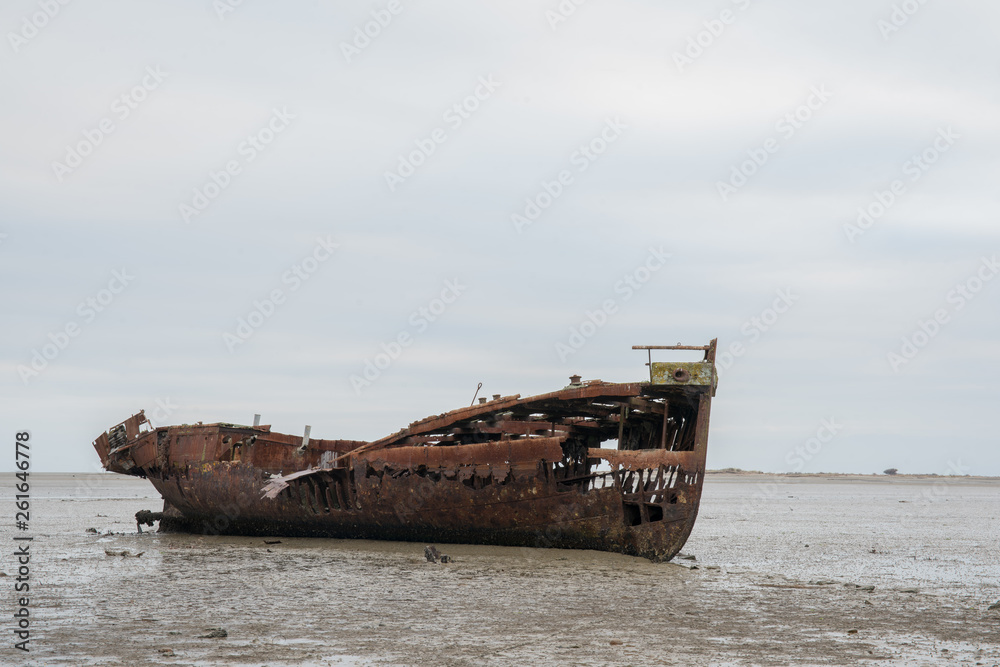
807	570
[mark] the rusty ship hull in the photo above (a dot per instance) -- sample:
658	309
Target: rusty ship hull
537	471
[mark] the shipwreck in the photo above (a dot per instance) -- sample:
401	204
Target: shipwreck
594	465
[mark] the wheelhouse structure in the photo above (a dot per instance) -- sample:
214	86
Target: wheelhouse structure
594	465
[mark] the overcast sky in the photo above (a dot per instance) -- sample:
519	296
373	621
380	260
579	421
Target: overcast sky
209	210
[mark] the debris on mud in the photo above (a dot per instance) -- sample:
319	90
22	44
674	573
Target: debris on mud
146	518
125	553
434	556
859	587
214	633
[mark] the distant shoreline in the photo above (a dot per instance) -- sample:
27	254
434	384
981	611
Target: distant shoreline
881	477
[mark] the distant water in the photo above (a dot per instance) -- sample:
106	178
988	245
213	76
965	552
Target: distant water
784	566
942	535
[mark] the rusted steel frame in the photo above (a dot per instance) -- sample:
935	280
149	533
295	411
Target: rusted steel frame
675	438
279	483
616	478
505	428
328	492
647	406
346	483
626	480
591	425
640	459
671	479
690	434
498	452
701	431
307	496
567	410
316	444
133	425
622	416
641	500
509	426
706	348
340	489
663	437
504	452
592	475
549	413
657	490
320	493
440	422
132	428
608	390
458	501
502	427
102	446
421	439
710	353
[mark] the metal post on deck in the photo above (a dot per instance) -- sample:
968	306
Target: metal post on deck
663	437
256	421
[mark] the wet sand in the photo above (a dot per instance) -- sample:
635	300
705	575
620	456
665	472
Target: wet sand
785	567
